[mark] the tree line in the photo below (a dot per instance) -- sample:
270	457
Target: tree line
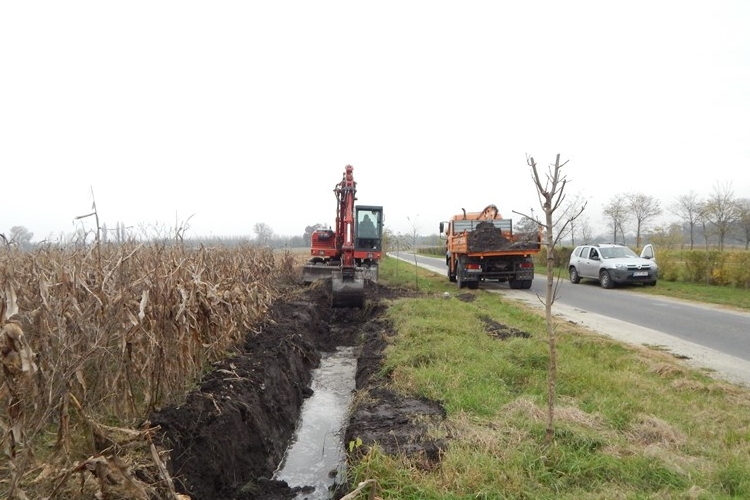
713	220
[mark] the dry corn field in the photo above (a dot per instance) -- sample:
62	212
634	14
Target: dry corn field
94	338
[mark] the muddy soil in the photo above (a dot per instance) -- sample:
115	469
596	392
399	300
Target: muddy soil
488	238
228	435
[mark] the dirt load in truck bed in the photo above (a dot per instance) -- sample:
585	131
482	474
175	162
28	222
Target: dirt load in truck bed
488	238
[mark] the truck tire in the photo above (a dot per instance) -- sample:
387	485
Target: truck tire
460	274
451	277
519	284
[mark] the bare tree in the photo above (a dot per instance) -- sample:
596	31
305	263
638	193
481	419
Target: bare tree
688	208
722	211
414	235
21	237
744	220
617	212
263	233
703	222
587	233
551	197
309	230
667	237
571	227
643	209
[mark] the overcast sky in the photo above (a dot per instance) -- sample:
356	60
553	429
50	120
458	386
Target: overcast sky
231	113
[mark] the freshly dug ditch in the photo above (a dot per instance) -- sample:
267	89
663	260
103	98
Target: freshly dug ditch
229	435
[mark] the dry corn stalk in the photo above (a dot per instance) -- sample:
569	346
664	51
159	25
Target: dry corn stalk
120	330
18	367
372	484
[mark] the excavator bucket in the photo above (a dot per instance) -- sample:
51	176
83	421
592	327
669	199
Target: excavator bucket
347	288
314	272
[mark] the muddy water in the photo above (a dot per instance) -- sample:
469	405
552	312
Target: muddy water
316	456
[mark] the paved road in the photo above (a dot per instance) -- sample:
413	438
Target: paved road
709	337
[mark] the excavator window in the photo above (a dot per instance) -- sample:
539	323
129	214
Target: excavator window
368	229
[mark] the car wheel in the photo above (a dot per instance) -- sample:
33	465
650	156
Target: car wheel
652	283
605	279
574	278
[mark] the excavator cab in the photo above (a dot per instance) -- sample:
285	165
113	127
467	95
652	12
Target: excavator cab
349	282
368	239
368	231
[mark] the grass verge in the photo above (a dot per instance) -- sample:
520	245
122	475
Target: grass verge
630	423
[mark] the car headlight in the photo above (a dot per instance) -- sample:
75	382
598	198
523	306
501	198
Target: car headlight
621	267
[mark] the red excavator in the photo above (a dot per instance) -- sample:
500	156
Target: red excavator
350	254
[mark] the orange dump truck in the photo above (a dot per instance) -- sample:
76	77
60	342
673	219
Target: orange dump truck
481	246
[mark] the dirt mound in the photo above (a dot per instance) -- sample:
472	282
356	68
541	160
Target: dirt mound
487	238
228	436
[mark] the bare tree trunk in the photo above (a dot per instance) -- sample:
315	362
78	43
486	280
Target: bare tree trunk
548	300
551	195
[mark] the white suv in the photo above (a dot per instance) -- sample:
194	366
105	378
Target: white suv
611	264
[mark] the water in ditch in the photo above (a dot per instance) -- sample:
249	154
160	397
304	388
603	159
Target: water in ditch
316	457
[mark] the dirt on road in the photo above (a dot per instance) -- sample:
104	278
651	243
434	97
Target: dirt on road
228	435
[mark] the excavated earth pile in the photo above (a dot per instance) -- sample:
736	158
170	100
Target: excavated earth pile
487	238
229	435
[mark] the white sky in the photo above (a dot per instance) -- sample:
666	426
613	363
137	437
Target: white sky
238	112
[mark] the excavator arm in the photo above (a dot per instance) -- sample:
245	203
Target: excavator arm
348	282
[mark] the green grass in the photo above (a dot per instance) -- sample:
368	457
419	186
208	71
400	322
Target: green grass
630	422
711	294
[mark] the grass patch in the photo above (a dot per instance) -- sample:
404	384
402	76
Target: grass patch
631	422
711	294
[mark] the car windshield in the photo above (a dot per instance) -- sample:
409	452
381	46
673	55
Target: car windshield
617	252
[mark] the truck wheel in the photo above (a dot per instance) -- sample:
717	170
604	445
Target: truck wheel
525	284
460	274
451	277
605	279
574	277
515	284
473	285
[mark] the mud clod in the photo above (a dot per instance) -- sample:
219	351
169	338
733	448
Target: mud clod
227	437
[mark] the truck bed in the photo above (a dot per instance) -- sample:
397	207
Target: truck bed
492	238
